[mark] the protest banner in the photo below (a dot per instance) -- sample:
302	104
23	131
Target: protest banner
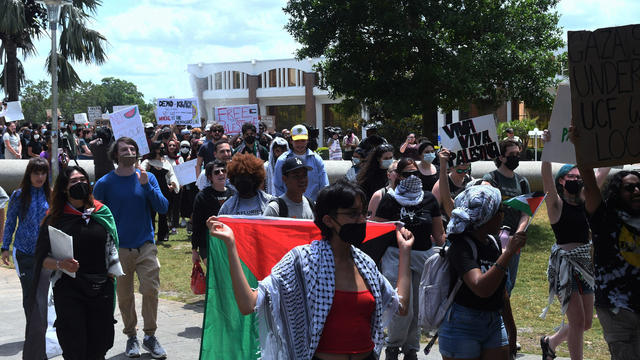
94	113
604	70
14	111
186	172
559	148
470	140
80	119
127	122
178	112
232	117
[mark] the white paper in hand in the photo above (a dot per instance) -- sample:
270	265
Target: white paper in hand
61	246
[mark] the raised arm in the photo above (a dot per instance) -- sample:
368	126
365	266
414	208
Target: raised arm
592	196
246	297
444	193
554	203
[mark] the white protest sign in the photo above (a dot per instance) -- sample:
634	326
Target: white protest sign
186	172
80	118
178	112
471	140
127	122
120	107
232	117
559	148
94	113
14	111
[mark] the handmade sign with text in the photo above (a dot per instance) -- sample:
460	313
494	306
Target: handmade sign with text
559	148
604	67
81	118
94	113
470	140
232	117
127	122
178	112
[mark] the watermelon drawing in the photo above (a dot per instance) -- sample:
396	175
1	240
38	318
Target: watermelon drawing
131	113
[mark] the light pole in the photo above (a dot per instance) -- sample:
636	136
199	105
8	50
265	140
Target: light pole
53	13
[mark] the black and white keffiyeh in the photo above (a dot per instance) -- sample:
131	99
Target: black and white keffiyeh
295	300
562	267
409	191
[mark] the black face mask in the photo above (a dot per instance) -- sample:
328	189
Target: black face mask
244	185
512	162
249	139
573	186
79	191
353	233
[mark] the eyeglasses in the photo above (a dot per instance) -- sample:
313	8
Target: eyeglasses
631	187
406	174
219	171
464	171
353	214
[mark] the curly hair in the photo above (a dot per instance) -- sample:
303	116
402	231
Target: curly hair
504	144
612	192
248	165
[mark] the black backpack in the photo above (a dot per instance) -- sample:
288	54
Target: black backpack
283	209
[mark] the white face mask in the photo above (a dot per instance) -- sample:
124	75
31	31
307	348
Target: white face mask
386	163
429	157
36	137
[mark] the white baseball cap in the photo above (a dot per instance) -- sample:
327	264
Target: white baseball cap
299	132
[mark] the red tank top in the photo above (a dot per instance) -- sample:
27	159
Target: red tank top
347	329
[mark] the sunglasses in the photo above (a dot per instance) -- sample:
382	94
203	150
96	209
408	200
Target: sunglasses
219	171
464	171
406	174
631	187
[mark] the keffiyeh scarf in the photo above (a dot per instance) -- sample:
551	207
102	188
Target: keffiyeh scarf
474	207
297	297
562	267
409	191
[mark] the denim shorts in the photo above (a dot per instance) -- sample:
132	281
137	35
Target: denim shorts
579	285
465	333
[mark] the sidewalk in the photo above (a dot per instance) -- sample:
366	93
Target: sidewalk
179	326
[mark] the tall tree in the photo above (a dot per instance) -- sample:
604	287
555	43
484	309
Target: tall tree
22	21
36	99
410	57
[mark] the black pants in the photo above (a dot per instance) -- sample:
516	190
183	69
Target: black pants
26	267
163	228
174	209
84	324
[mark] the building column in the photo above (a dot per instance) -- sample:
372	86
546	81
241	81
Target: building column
309	98
509	113
201	87
252	84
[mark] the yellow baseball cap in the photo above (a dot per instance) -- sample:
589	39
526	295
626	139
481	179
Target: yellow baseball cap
299	132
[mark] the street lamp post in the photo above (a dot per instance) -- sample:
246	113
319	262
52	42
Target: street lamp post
53	13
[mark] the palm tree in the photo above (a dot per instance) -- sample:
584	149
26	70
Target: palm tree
23	20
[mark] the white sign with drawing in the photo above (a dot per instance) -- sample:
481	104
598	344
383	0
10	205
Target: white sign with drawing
178	112
186	172
559	148
127	122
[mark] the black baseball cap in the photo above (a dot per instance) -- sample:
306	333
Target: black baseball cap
293	163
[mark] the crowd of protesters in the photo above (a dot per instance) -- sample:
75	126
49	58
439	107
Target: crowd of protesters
137	201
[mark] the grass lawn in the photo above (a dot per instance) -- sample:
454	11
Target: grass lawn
528	299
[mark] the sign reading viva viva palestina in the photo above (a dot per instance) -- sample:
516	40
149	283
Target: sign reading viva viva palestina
178	112
470	140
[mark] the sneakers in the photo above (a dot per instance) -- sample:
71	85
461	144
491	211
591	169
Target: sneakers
391	353
189	228
151	344
133	347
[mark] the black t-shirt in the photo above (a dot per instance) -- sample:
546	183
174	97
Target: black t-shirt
418	218
206	204
462	261
509	187
429	180
206	152
36	146
616	260
572	225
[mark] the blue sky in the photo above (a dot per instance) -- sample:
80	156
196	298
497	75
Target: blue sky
151	42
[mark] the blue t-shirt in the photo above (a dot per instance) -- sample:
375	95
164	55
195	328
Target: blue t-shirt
131	204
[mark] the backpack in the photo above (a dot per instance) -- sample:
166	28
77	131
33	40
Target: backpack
524	189
283	209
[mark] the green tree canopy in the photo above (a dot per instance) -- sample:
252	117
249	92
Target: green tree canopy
409	57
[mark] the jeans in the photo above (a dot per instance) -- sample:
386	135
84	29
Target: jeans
26	266
621	331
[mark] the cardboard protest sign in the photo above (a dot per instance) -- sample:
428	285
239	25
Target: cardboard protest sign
94	113
178	112
470	140
14	111
186	172
559	148
127	122
604	68
232	117
80	118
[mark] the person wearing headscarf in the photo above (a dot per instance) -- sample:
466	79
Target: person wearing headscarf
278	146
476	315
405	201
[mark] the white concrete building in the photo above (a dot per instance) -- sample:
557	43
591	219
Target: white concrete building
286	89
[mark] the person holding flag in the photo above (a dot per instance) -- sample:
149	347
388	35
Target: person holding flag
326	299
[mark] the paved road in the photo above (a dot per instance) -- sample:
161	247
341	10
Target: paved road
179	326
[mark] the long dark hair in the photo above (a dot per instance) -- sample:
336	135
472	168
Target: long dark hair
60	197
612	193
371	166
35	165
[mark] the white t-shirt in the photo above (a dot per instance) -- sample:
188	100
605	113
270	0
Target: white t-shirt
14	140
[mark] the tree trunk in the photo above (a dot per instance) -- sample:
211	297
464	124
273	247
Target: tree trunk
430	122
11	70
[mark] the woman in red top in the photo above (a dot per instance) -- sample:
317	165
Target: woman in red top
324	300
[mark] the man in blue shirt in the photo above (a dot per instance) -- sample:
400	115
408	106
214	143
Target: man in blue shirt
318	178
131	193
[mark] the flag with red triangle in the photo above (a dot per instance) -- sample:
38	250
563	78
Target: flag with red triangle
527	203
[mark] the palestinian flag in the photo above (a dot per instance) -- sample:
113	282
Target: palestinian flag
527	203
261	243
